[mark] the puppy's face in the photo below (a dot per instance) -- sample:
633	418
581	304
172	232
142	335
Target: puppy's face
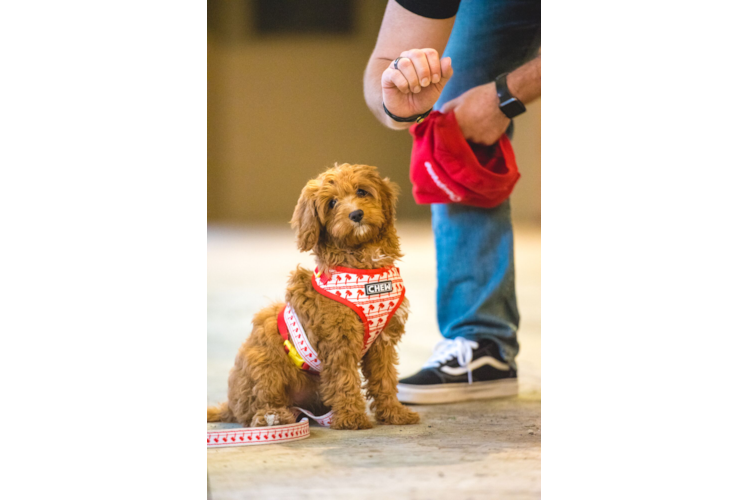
350	204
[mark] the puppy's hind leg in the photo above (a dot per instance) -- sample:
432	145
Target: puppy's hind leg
271	403
258	389
262	374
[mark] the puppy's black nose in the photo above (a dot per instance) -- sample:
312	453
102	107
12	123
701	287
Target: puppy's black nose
356	215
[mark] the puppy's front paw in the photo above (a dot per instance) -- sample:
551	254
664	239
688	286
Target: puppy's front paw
353	421
397	415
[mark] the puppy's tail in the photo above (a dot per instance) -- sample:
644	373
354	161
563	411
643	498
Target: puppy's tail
220	413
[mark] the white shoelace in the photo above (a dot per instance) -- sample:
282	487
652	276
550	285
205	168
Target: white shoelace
449	349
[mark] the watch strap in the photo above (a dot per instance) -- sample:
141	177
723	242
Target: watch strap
509	105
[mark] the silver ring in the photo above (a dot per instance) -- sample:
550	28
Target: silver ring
396	63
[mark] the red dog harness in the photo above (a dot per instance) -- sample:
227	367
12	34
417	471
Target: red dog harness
374	294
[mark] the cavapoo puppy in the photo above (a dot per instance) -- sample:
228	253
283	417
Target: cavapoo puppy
349	312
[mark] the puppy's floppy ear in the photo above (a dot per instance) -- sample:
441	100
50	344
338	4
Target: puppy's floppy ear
305	221
389	193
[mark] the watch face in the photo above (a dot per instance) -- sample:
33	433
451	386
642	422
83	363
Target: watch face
512	107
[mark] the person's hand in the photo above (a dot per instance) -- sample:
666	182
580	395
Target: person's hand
415	86
478	114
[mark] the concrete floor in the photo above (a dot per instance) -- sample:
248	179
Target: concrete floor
486	449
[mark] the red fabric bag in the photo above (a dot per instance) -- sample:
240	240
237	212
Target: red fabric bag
445	168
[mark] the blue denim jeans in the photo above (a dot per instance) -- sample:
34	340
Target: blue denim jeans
475	246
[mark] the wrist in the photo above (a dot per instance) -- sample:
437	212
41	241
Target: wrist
515	88
524	82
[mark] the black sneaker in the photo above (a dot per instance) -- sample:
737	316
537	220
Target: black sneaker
460	370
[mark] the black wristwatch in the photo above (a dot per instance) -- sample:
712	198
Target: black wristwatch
508	104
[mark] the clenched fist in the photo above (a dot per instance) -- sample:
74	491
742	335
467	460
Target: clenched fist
414	86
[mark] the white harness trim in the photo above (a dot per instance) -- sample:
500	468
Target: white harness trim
300	340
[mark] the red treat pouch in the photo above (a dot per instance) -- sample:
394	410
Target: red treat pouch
446	168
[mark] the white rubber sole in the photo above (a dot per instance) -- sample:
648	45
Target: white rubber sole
453	393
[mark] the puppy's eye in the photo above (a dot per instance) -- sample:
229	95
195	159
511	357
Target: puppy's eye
333	203
361	193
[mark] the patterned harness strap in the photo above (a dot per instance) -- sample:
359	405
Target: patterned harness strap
296	342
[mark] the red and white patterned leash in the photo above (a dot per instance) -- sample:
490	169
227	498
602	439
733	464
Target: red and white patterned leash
258	435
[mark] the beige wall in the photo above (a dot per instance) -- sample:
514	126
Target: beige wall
280	110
